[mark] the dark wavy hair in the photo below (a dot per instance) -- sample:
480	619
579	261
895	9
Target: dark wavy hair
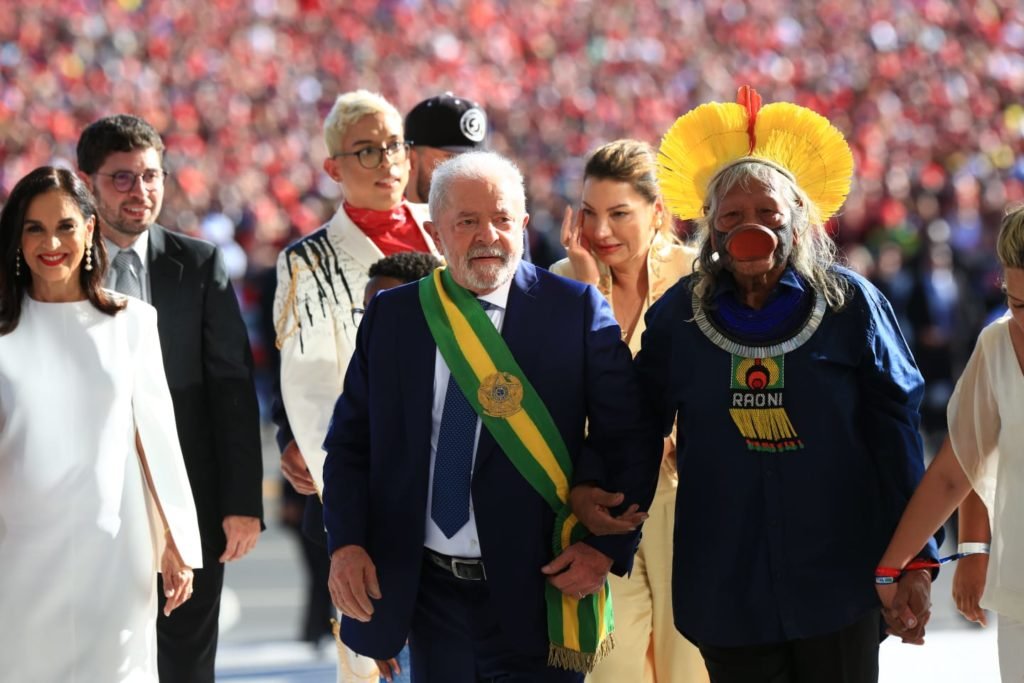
13	288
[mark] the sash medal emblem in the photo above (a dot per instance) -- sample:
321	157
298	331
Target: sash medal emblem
500	394
579	628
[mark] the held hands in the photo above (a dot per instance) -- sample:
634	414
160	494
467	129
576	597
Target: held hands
242	533
579	571
293	467
353	582
592	506
177	577
577	248
388	668
906	605
969	584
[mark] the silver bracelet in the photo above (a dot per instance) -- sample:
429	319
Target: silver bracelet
972	549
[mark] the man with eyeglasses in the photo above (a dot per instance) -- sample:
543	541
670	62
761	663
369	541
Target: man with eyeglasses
208	363
321	279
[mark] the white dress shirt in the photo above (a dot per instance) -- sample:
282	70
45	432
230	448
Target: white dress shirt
466	541
140	247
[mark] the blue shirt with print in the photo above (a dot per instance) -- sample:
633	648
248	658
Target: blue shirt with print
793	471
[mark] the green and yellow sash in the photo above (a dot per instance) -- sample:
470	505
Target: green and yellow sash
508	405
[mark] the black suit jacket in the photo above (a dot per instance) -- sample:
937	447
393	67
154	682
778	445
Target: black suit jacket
209	370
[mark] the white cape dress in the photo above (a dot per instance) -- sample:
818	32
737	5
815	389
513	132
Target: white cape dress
80	539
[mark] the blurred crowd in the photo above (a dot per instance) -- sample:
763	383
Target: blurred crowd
928	92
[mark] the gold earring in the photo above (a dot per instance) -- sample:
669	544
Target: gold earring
88	257
657	229
17	263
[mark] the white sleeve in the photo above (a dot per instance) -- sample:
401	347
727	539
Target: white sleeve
154	420
973	417
313	362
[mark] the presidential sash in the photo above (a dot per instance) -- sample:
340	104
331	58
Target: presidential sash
579	630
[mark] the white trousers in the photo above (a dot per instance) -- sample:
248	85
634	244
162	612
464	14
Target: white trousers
354	667
1011	650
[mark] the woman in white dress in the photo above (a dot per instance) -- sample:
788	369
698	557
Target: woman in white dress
94	497
985	451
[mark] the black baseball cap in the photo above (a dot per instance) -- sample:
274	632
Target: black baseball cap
447	122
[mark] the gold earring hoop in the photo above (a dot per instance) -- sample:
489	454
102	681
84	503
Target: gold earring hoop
88	257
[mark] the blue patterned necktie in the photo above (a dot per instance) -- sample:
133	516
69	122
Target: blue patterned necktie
453	465
126	267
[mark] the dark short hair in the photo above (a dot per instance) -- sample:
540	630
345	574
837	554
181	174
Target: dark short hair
12	223
407	266
118	133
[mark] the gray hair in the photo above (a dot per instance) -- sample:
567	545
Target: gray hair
349	108
487	166
1010	244
814	252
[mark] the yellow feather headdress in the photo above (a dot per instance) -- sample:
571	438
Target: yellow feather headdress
706	140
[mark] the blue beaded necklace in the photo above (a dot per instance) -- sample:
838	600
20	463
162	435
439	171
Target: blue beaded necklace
779	319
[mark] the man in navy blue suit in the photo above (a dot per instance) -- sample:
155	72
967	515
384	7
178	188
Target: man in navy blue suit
441	525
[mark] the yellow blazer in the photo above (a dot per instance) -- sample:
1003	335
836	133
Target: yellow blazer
667	261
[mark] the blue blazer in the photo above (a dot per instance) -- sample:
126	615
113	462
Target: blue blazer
566	340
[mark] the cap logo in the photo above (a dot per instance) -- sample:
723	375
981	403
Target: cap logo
473	124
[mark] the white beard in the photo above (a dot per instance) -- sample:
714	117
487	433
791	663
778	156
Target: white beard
481	278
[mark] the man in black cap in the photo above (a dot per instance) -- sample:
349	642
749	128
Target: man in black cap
438	128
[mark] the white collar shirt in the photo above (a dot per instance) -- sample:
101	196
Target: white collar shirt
466	541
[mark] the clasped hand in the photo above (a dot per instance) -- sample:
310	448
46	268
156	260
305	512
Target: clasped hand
579	570
593	506
177	577
906	605
293	467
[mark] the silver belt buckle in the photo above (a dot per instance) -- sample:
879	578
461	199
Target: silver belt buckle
461	569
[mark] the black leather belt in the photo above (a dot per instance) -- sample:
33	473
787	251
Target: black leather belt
465	568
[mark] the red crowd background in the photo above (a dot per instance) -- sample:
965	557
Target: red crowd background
928	92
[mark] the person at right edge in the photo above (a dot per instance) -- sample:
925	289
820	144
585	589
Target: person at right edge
982	454
622	243
797	400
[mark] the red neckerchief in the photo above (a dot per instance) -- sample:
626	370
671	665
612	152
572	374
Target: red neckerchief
393	231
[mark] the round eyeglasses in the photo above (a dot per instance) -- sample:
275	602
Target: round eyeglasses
371	157
124	181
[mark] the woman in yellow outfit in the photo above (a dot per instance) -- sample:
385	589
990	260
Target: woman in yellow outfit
621	242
